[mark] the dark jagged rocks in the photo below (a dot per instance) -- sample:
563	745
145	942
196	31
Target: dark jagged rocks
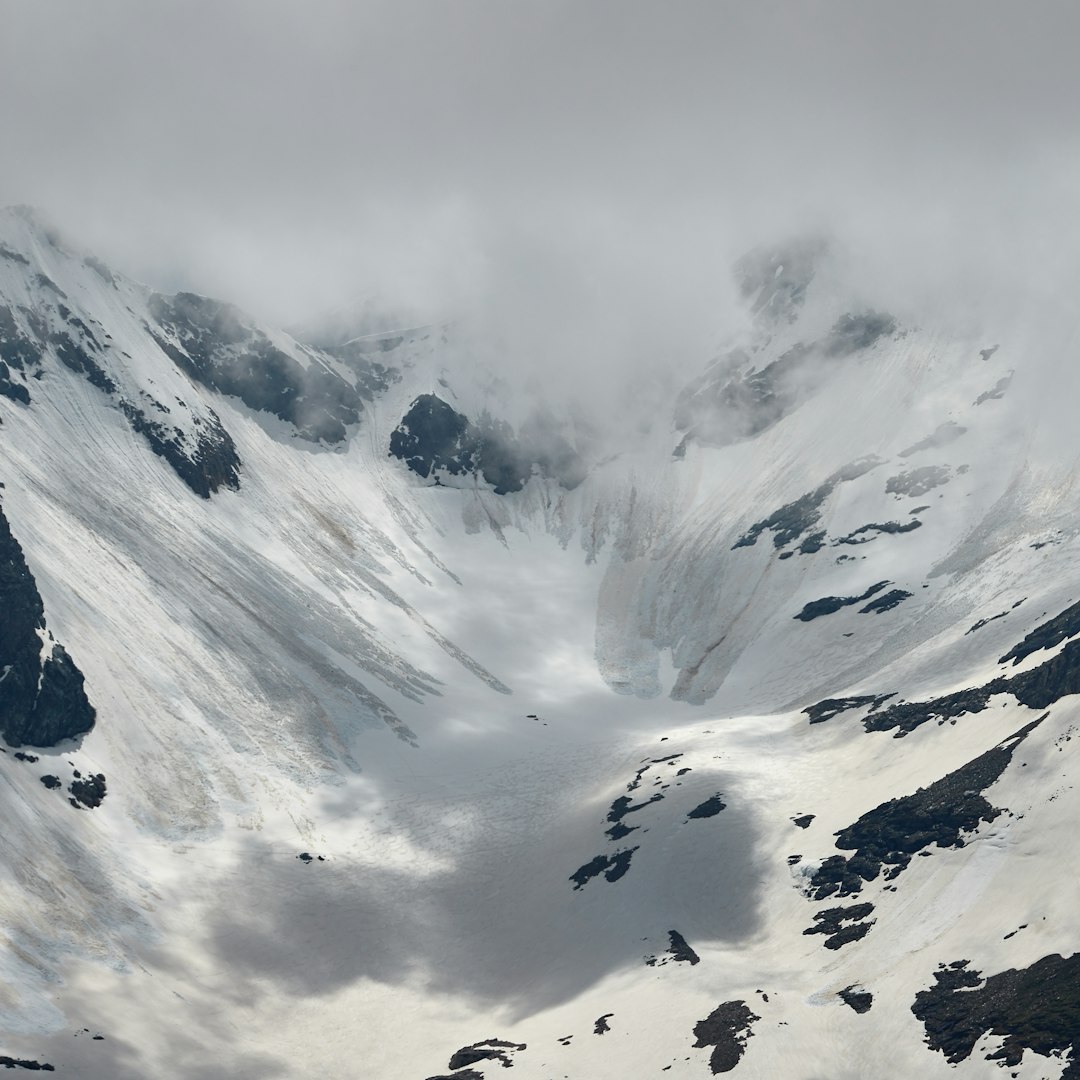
47	282
677	952
210	342
61	709
17	348
30	1065
205	459
1036	1008
636	782
680	950
464	1074
212	465
51	782
1046	635
733	400
612	867
984	622
830	707
796	518
42	698
917	482
812	543
601	1025
906	716
727	1029
722	406
885	602
940	814
18	352
941	436
13	391
1052	680
372	378
622	806
863	534
87	792
499	1050
1038	688
842	925
537	443
434	437
827	605
803	821
616	865
858	999
709	808
75	355
853	333
14	256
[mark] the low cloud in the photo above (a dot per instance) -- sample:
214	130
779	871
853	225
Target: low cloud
572	179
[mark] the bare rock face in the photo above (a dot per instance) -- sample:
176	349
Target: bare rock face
726	1029
42	697
1034	1008
212	343
435	438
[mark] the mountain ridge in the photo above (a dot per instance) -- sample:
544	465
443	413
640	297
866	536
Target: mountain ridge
409	766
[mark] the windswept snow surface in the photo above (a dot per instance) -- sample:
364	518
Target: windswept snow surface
407	779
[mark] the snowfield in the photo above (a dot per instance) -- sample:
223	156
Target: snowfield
408	779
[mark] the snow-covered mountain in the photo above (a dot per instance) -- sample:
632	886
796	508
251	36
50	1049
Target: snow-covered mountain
365	716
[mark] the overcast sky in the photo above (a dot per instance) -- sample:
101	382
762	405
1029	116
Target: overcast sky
288	155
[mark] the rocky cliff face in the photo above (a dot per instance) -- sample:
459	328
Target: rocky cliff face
42	695
434	439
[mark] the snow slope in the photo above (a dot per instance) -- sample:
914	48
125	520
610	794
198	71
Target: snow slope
396	765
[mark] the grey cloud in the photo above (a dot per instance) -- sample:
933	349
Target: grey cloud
523	158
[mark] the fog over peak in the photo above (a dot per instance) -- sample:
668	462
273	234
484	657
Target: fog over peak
565	173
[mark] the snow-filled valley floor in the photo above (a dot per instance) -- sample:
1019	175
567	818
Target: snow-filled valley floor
668	772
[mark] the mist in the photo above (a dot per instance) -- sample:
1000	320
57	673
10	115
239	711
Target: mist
573	179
